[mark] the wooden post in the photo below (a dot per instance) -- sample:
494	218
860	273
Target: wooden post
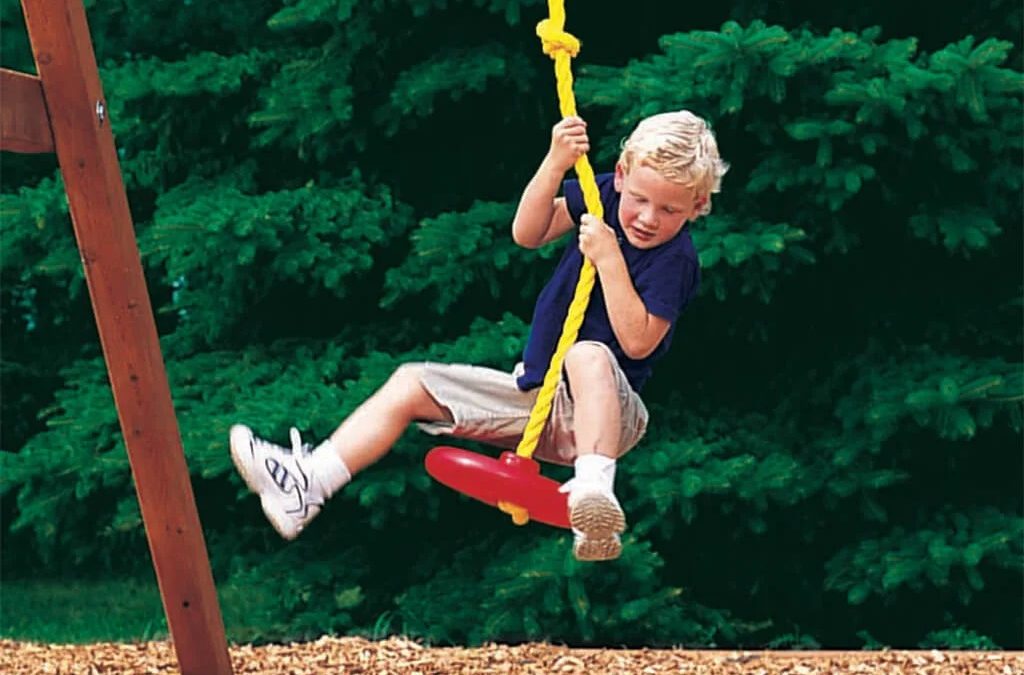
24	124
85	149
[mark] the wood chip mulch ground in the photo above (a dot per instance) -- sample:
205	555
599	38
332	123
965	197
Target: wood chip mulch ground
397	656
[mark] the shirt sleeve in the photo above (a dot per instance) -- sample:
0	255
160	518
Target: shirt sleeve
573	194
668	284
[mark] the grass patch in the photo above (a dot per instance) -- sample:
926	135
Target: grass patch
118	610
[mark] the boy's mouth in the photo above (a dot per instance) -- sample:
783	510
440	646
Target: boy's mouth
642	235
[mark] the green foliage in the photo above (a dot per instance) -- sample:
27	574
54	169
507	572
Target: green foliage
321	238
725	458
35	231
955	543
952	395
760	251
963	231
957	638
455	253
83	438
881	98
202	74
796	639
533	589
318	598
416	89
322	191
53	475
304	12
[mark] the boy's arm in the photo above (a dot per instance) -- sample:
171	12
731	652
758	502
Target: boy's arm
540	217
638	331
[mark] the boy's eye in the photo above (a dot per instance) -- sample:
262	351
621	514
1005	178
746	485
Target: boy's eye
669	210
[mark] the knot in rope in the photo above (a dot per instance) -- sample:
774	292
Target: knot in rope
554	39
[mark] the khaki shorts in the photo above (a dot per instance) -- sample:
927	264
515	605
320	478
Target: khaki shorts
486	405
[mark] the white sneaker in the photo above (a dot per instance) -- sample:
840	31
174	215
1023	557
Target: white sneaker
288	495
596	519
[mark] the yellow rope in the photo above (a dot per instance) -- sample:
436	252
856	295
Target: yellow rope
562	47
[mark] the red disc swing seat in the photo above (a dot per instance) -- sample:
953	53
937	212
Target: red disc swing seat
510	482
513	482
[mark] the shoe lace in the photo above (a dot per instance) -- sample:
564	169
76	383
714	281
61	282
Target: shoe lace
298	447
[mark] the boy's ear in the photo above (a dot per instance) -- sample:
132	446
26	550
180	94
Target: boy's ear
620	176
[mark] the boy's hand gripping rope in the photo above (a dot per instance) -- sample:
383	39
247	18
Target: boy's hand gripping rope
562	47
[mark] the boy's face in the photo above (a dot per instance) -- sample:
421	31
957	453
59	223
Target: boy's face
652	209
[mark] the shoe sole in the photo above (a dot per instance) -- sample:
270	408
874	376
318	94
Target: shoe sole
600	520
241	450
597	550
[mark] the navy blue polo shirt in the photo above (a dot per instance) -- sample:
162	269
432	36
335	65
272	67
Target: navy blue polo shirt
666	278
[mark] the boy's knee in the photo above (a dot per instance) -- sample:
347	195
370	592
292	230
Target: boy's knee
406	379
407	390
587	360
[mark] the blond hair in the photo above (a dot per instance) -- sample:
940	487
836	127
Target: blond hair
681	147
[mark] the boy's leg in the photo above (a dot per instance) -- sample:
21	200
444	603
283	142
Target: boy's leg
594	512
294	485
597	411
368	433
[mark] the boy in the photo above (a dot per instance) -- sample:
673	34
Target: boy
647	273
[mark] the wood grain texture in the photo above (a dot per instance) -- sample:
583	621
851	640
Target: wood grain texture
24	122
84	144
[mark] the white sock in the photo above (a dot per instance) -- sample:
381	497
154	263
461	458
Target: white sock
596	468
328	468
